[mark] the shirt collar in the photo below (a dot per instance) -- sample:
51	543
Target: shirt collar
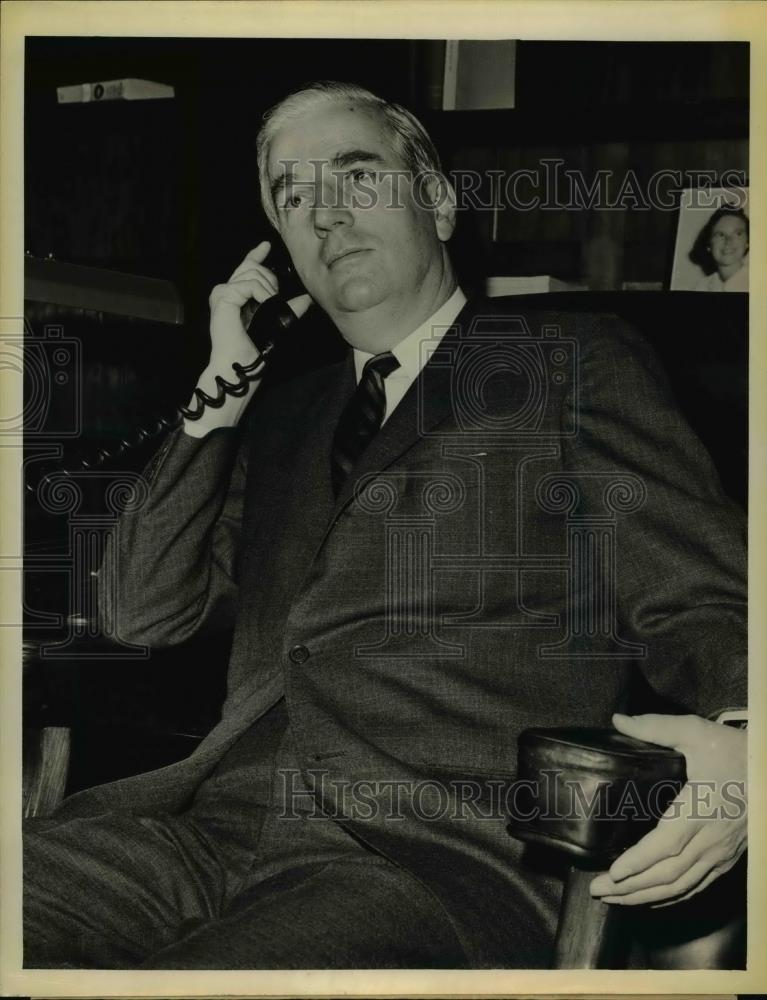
409	352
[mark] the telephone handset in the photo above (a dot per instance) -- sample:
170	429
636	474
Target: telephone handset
266	326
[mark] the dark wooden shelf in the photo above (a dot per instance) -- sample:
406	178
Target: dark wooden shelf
723	119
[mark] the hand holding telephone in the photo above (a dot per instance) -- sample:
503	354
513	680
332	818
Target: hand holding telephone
249	314
245	314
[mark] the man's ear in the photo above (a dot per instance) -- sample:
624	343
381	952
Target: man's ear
441	198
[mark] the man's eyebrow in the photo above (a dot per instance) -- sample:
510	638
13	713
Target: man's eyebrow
341	160
338	162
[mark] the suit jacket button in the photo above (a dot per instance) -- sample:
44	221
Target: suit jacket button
298	654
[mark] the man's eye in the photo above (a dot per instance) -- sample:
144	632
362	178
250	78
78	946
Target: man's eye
293	199
360	174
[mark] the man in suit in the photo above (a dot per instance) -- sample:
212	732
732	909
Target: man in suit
391	539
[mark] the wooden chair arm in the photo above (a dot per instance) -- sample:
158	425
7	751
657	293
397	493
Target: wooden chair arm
44	769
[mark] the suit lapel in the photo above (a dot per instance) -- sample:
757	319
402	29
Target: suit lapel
426	404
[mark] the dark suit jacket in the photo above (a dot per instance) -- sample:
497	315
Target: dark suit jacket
533	525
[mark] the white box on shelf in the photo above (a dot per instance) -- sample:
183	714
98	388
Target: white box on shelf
505	285
114	90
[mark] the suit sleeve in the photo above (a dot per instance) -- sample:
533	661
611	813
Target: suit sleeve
680	557
172	568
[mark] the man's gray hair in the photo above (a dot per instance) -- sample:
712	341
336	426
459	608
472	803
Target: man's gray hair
414	145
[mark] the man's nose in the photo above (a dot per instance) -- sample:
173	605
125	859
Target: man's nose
329	214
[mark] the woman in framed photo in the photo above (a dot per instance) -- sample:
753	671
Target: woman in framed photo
721	251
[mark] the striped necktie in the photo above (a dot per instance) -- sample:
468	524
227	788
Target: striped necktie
361	418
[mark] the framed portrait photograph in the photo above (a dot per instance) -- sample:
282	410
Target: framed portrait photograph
711	253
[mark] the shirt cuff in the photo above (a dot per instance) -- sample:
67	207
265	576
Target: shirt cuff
228	414
732	717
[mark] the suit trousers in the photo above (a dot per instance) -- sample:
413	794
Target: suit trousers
236	882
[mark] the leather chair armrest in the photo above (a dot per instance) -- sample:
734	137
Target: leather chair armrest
590	794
